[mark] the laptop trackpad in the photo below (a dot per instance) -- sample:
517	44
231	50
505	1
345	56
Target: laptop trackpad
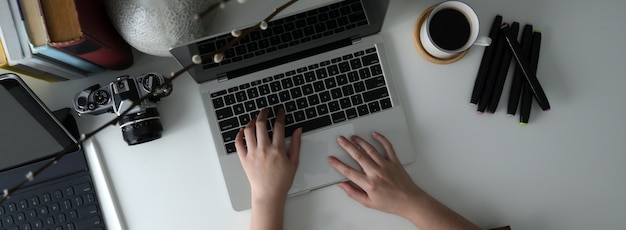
314	170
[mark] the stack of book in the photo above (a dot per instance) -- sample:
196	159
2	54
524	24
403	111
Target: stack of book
59	39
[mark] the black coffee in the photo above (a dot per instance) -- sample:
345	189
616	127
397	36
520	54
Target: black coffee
449	29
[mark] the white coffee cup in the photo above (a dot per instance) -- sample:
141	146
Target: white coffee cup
473	39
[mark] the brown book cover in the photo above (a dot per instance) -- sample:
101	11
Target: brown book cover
82	28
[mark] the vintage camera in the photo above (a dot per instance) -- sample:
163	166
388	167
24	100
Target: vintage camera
142	123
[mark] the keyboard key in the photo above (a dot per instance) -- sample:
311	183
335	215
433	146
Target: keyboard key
347	90
219	93
90	198
313	99
365	73
344	67
296	92
359	87
385	103
310	76
57	195
241	96
275	86
46	198
370	59
324	96
356	99
307	89
351	113
345	103
31	214
77	201
264	89
353	76
322	109
253	93
318	86
287	83
342	79
374	106
250	106
218	103
376	70
359	53
333	70
321	73
333	106
310	113
362	110
261	102
229	124
230	99
224	113
243	120
284	96
289	119
302	103
230	147
370	50
336	93
355	63
375	82
309	125
338	117
230	135
298	79
299	116
330	83
273	99
55	207
238	109
88	223
8	220
375	94
22	204
291	106
61	218
34	201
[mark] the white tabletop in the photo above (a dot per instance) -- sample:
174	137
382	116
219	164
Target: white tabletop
562	171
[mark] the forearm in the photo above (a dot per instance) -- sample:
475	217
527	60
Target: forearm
428	213
267	214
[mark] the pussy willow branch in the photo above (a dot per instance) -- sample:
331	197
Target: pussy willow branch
168	81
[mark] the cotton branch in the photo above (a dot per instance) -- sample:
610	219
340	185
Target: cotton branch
217	57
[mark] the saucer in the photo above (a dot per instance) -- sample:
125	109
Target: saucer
420	48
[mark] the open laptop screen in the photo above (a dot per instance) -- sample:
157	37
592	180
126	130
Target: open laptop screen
27	132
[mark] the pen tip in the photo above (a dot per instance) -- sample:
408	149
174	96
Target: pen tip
509	115
523	124
479	112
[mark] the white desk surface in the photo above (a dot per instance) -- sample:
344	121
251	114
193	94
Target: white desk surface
563	171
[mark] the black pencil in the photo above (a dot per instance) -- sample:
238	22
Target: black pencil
534	62
529	74
518	78
503	70
483	70
485	98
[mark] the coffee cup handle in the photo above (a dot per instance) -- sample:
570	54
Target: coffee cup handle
483	41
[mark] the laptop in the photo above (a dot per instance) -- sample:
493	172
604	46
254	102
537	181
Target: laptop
326	66
67	195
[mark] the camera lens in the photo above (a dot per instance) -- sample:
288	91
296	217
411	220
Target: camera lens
141	127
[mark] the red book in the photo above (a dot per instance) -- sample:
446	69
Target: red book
82	28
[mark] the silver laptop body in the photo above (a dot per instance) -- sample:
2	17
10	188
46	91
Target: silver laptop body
319	143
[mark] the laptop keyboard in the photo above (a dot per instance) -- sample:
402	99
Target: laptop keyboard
286	32
314	96
69	204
